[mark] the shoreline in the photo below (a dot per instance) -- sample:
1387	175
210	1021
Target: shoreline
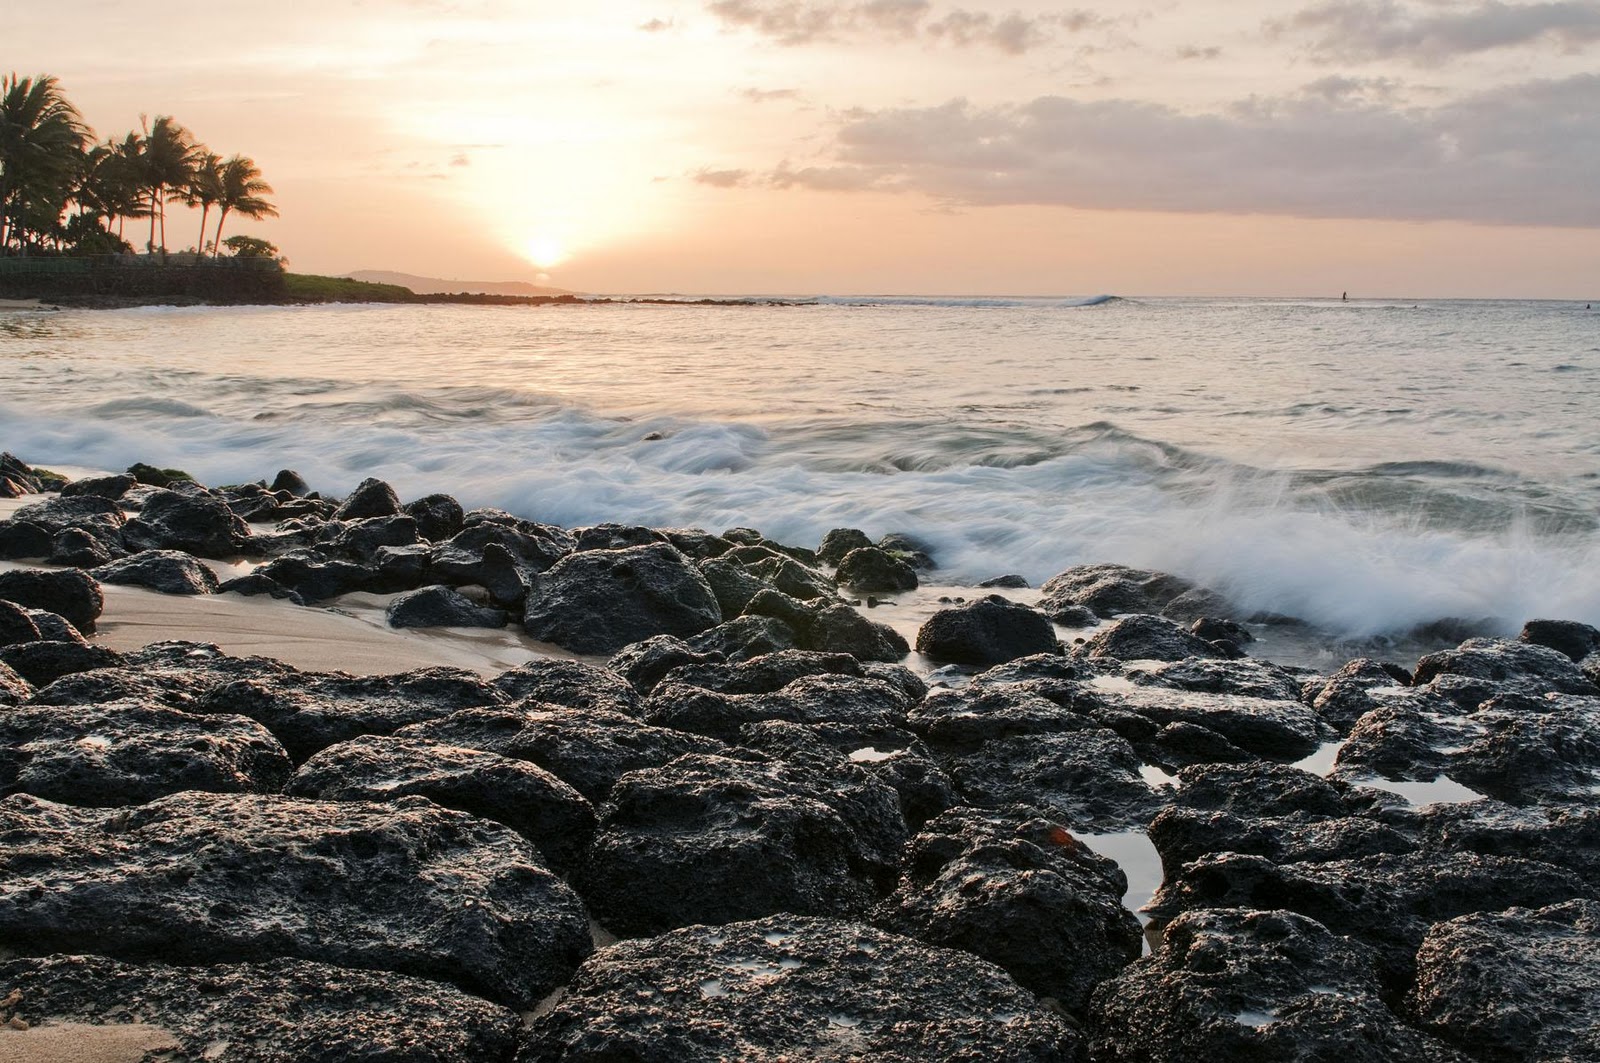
721	779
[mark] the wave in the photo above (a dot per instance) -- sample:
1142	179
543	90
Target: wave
1355	566
966	302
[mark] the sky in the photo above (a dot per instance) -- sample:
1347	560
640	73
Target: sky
1233	147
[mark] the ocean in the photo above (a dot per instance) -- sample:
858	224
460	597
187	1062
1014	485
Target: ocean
1368	466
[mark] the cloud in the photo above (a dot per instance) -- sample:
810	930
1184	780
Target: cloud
460	160
1361	30
800	22
1519	155
1190	51
656	25
769	95
722	178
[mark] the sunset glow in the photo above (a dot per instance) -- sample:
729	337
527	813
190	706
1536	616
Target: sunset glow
828	144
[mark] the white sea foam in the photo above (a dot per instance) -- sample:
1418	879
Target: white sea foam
1339	476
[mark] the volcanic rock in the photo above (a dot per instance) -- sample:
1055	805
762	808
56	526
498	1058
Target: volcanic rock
69	593
988	631
601	600
439	606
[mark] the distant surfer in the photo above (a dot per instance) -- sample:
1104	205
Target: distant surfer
1345	298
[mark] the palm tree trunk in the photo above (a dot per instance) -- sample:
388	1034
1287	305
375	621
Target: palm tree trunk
200	248
217	251
150	245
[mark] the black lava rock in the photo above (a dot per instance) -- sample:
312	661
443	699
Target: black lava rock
166	571
71	594
438	517
197	524
988	631
1142	637
42	663
371	498
279	1010
870	569
205	878
574	684
601	600
526	798
790	987
16	625
441	607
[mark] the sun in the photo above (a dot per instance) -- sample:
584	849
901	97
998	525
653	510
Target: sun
543	251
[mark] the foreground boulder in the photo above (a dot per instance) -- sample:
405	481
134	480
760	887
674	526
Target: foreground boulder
1253	986
599	601
129	752
439	606
1014	887
796	988
989	631
197	524
719	839
1515	985
206	878
69	593
276	1010
528	799
166	571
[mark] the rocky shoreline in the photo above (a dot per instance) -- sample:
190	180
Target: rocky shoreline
732	823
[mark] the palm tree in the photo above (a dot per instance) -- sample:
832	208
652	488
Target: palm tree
242	189
122	177
168	156
42	137
204	190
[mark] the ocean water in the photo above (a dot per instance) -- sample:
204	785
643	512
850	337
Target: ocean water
1369	466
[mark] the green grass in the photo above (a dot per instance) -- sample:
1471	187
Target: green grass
310	288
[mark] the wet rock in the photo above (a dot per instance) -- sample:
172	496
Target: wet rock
1142	637
361	540
152	476
1530	750
1482	668
197	524
14	689
22	540
129	752
1201	604
166	571
644	664
589	749
1347	695
1014	887
292	482
203	878
788	576
1562	835
985	632
870	569
112	487
839	542
1089	777
502	558
979	713
17	470
1385	901
897	757
1567	637
1010	581
74	595
1245	678
812	699
42	663
257	584
898	676
1109	590
53	627
911	550
1252	986
310	711
314	579
575	684
526	798
1275	729
602	600
1218	631
720	839
438	517
77	548
16	625
790	987
277	1010
100	517
840	629
611	536
797	614
733	586
745	637
441	607
766	674
1515	985
696	543
371	498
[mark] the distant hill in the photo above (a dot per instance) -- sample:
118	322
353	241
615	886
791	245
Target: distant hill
437	285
